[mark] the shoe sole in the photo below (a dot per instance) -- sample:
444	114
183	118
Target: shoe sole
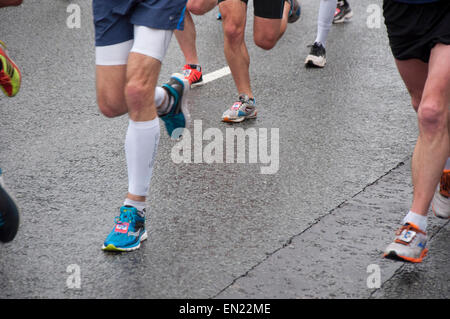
438	216
394	256
240	119
111	247
434	202
313	61
198	84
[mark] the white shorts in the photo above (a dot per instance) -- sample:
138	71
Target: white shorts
147	41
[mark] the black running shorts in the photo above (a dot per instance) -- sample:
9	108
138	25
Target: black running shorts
271	9
414	29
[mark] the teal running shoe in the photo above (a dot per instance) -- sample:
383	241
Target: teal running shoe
176	119
9	214
129	231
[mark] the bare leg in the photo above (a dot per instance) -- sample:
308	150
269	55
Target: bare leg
433	144
187	38
234	18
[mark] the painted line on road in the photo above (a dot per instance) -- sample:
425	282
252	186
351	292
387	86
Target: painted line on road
216	74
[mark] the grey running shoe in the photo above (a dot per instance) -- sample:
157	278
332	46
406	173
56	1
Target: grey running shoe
241	110
343	12
409	245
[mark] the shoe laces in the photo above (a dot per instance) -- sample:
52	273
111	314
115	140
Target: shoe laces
188	72
408	227
126	216
316	47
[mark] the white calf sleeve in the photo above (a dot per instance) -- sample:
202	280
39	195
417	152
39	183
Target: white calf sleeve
141	144
325	19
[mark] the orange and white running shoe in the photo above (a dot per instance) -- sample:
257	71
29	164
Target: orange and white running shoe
409	244
10	77
441	200
193	73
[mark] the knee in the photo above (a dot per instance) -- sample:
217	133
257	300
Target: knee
196	7
265	42
108	105
233	32
136	94
432	117
111	103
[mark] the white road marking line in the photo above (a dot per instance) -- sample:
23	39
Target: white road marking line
216	74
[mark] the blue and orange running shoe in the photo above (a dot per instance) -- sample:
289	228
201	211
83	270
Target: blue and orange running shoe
129	231
177	117
10	77
9	214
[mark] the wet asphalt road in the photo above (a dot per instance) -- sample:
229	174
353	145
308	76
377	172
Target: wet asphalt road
215	230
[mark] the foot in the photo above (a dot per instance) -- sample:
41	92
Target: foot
128	232
441	200
343	12
10	77
193	73
177	117
241	110
316	56
409	245
9	215
294	12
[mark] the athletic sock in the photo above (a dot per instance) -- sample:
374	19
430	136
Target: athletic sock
447	164
163	100
140	206
416	219
327	9
141	144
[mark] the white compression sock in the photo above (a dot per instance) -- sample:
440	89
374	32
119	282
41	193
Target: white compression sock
327	9
416	219
162	100
141	144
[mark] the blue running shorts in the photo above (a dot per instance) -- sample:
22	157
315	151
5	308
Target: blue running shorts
114	19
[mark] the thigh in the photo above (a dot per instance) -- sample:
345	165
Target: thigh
414	74
110	85
437	86
267	22
270	9
113	42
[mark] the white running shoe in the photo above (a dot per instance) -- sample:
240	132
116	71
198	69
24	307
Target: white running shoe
409	245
